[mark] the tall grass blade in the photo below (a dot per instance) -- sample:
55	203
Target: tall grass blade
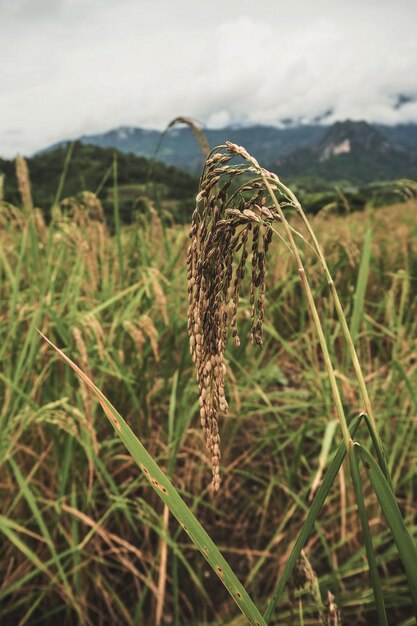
403	540
376	442
31	500
63	176
117	220
325	449
10	528
312	516
360	290
370	553
168	494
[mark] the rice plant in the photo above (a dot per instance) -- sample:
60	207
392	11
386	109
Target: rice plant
236	216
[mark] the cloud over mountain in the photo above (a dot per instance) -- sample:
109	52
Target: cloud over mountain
87	66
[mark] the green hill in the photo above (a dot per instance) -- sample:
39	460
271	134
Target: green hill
91	168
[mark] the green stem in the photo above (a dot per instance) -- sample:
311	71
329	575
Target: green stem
117	220
312	307
308	525
370	552
338	305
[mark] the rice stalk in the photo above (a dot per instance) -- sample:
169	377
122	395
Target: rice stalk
188	121
23	183
196	130
230	218
160	598
227	223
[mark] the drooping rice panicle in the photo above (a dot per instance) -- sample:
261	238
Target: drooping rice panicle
230	224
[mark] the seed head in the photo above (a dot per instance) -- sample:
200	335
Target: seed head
231	223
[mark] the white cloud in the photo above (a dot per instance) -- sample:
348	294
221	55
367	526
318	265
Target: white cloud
81	66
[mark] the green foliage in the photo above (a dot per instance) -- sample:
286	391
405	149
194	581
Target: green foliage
90	169
82	528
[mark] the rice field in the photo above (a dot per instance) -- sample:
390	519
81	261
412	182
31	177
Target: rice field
84	536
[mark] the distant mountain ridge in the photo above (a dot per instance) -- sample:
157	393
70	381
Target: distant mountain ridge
346	137
270	144
179	147
351	151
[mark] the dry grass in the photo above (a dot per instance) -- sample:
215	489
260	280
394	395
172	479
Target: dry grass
199	134
23	183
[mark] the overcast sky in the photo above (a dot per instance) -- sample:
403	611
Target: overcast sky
70	67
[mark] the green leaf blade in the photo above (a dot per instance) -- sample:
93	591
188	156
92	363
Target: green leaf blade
370	553
168	494
389	505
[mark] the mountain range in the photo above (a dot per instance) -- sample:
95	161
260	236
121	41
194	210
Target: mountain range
352	151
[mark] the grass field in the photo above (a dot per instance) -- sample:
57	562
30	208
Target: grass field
84	539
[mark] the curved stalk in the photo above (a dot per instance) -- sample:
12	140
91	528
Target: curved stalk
338	305
312	307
